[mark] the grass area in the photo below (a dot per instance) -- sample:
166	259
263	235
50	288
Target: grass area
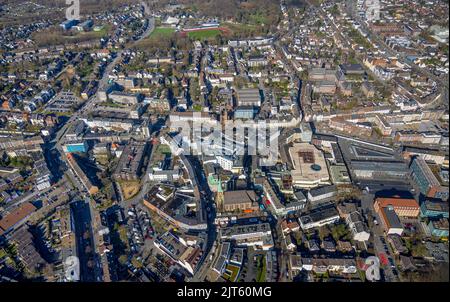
162	31
359	39
240	30
204	34
123	237
159	154
54	36
102	159
197	108
112	104
164	149
258	19
261	271
130	188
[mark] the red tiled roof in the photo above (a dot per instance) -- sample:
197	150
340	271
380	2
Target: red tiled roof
15	216
397	202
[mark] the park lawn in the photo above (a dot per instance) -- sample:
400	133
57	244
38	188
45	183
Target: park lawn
88	35
204	34
162	31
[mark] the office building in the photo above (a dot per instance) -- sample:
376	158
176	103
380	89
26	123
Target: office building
427	182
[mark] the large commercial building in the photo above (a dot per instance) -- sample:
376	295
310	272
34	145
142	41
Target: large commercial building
390	221
391	209
123	98
404	207
428	184
242	201
248	97
386	171
309	167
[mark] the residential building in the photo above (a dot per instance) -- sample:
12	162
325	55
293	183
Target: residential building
434	209
319	217
131	161
439	228
177	249
258	236
320	193
272	200
15	217
323	265
358	227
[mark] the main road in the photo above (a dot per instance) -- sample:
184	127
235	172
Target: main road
87	107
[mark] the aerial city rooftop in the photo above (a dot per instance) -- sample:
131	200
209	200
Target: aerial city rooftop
97	184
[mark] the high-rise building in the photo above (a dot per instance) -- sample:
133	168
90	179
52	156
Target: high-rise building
428	183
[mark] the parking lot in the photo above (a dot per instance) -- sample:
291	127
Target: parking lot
140	229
